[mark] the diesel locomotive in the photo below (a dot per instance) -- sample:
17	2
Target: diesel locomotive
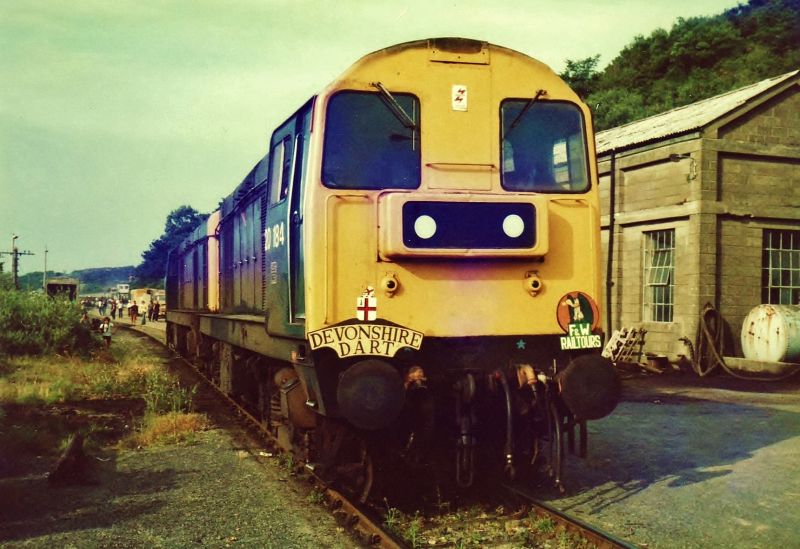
410	274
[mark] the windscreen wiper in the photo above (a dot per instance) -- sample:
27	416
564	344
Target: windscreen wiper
395	107
527	106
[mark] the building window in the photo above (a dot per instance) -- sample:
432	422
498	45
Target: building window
780	267
659	275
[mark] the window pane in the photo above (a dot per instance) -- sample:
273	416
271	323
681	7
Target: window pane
366	144
543	147
780	267
659	265
277	163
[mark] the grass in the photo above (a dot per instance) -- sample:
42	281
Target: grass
474	526
544	525
169	428
316	496
127	372
58	379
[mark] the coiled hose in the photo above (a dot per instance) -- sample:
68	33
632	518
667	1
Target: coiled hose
706	353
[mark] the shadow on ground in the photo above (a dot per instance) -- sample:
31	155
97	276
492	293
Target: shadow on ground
659	434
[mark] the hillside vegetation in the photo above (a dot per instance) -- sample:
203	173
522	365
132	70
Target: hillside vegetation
699	57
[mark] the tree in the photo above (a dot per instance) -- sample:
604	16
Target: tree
6	282
581	75
698	58
180	224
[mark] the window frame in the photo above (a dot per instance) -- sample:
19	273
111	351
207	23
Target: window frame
416	117
780	267
279	171
658	276
555	187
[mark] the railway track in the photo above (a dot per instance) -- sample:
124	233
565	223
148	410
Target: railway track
361	520
596	536
356	518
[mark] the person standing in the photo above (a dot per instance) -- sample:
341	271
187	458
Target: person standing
113	309
156	310
105	331
133	312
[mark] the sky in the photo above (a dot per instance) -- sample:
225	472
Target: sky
114	113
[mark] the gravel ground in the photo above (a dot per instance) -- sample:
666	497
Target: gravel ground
691	463
211	494
215	492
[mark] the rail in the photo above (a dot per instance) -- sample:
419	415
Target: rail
600	538
359	519
356	518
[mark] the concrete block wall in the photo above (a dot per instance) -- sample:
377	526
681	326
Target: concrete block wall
776	122
661	183
761	183
740	274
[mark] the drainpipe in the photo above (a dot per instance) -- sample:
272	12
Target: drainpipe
612	192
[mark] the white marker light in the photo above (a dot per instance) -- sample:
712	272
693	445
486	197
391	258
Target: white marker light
513	225
425	226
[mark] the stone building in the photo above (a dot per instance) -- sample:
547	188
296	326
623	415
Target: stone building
701	204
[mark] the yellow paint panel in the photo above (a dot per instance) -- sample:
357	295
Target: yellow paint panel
350	253
460	148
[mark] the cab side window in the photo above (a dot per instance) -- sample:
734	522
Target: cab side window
280	170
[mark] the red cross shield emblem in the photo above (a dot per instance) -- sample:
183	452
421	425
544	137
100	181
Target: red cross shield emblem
366	308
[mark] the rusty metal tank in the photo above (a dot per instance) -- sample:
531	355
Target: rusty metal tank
771	333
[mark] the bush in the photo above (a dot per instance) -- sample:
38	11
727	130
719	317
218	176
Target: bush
33	324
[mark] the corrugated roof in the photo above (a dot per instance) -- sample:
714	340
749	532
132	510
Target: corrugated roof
683	119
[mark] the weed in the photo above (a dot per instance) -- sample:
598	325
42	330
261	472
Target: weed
286	460
164	394
413	529
545	525
564	540
316	496
393	517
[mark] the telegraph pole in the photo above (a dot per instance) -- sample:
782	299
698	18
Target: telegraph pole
15	253
44	276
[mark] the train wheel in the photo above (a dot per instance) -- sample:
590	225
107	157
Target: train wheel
173	337
556	446
355	472
346	459
191	345
227	360
548	443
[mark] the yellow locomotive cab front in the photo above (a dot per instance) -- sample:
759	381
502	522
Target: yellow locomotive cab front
450	217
